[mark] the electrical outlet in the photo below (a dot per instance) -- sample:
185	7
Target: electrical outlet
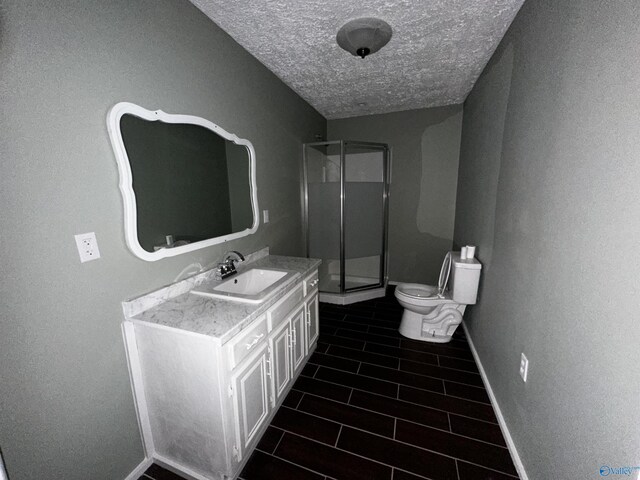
265	216
87	247
524	367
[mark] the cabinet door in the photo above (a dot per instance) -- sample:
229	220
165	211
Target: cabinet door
298	344
251	391
313	319
280	361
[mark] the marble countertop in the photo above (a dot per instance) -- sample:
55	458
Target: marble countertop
217	318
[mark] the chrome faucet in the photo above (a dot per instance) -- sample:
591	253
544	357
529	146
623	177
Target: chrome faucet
227	266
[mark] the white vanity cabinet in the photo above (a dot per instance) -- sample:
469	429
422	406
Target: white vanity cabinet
251	391
204	403
298	340
311	304
280	361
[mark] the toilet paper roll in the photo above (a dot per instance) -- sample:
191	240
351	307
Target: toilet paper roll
471	251
463	253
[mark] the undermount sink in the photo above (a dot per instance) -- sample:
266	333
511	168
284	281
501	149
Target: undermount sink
252	286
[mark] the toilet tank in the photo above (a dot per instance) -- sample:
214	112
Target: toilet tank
465	277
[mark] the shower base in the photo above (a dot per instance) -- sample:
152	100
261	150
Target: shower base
330	290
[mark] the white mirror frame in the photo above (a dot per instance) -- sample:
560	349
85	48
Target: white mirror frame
126	178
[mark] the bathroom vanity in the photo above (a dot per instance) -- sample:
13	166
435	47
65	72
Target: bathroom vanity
209	373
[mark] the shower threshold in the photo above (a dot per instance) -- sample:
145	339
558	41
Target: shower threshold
330	291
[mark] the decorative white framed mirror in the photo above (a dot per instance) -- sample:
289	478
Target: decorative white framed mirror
186	183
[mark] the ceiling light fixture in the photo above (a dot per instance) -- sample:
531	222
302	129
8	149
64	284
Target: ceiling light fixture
364	36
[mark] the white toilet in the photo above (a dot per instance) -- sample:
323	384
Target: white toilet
432	313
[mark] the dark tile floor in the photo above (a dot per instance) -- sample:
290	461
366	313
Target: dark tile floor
371	404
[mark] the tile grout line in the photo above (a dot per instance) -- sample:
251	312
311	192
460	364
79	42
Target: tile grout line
375	354
413	386
338	437
362	361
293	463
427	425
279	440
421	477
407	401
430	376
348	452
437	355
389	382
450	432
444	369
460	351
393	417
397	357
400	442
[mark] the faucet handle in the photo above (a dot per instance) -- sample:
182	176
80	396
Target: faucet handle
226	268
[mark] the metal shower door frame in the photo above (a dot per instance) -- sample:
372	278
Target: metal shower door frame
385	206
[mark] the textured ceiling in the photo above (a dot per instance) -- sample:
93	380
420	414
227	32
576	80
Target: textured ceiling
438	48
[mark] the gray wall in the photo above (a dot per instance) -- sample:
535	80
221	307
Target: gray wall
548	190
66	409
425	145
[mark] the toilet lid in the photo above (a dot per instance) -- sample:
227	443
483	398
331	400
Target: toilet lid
416	290
445	270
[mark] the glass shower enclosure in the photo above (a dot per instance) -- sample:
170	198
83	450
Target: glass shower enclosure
346	187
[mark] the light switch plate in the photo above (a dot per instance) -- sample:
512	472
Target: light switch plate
265	216
87	246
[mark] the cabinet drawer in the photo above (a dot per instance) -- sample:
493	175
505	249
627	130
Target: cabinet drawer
279	311
310	283
248	341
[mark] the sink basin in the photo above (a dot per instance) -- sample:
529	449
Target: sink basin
252	286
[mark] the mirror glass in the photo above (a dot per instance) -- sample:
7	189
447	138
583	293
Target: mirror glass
186	182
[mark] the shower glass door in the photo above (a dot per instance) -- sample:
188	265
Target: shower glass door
345	200
364	214
323	211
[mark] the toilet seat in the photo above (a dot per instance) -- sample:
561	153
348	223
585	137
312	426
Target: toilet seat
421	295
417	291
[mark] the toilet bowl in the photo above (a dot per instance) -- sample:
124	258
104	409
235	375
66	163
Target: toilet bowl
432	314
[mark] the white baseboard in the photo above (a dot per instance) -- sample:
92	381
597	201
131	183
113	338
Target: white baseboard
140	469
503	426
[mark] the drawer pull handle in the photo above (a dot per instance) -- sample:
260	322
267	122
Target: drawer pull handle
313	283
255	340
